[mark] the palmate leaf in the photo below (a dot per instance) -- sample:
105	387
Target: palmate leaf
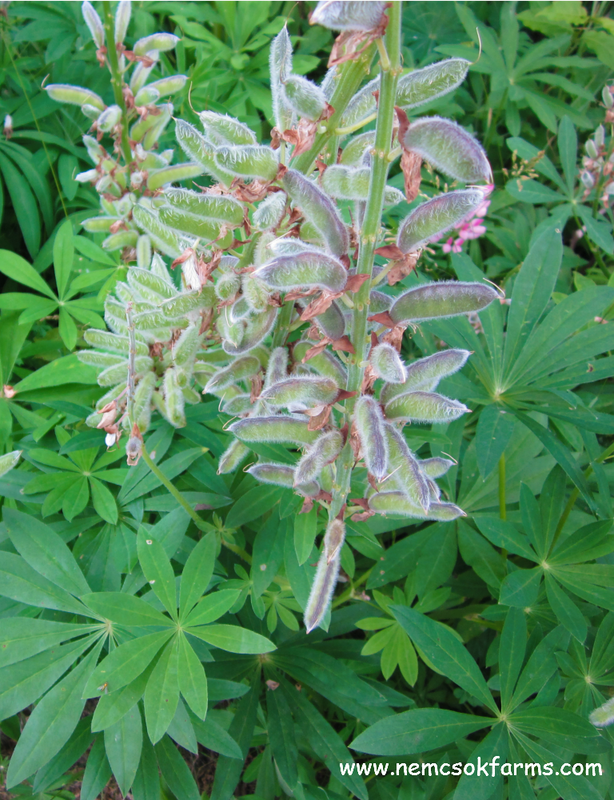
158	571
480	787
123	744
162	692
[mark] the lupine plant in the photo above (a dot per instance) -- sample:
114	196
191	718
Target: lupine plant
279	309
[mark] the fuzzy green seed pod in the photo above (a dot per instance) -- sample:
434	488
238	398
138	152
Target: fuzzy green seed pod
119	372
323	451
255	293
425	374
108	397
240	369
173	399
156	41
424	407
352	183
162	237
362	105
429	221
143	252
280	63
370	426
333	539
322	589
146	96
604	715
449	148
344	15
75	95
117	241
115	316
158	268
221	208
330	322
356	148
187	302
122	20
232	457
308	270
91	112
319	209
141	73
169	85
305	98
227	285
99	224
387	363
325	363
187	346
440	300
9	460
423	85
190	395
153	319
436	467
379	302
149	286
190	225
196	147
248	161
277	369
273	429
289	246
142	401
301	393
282	475
109	118
239	310
405	470
112	342
94	358
225	131
93	22
398	504
270	212
241	404
176	172
255	329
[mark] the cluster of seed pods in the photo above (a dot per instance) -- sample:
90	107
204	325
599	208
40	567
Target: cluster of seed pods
260	312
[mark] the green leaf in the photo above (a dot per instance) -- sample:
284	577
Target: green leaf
197	573
125	609
75	498
103	501
436	560
233	639
123	743
162	693
567	142
212	607
214	737
175	771
22	637
479	555
17	268
305	529
541	665
51	723
504	534
530	191
63	254
267	552
254	504
445	651
281	736
125	663
565	610
112	707
512	648
45	551
158	571
24	204
520	588
599	231
20	582
482	787
192	678
559	727
53	771
146	784
494	431
61	371
97	771
417	731
181	729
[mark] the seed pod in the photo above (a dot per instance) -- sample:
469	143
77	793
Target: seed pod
239	310
148	130
248	161
221	208
232	457
282	475
8	461
169	85
436	467
378	302
241	404
94	23
308	270
347	183
330	322
177	172
115	316
319	209
86	177
303	97
344	15
91	112
122	20
188	302
162	237
289	246
75	95
142	401
224	131
439	300
273	429
99	224
117	241
187	346
190	395
323	451
405	470
109	118
449	148
370	426
154	319
196	147
362	105
94	358
325	363
173	399
423	85
112	342
149	286
277	369
270	212
198	227
400	505
159	269
146	96
156	41
387	363
428	221
604	715
280	63
238	370
301	393
255	293
333	539
356	148
254	329
425	374
606	96
115	374
322	589
227	285
424	407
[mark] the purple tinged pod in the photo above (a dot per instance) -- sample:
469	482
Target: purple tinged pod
387	363
323	451
429	221
449	148
276	428
436	467
429	83
322	589
253	330
399	504
270	212
371	428
333	539
362	105
248	161
277	368
282	475
440	300
307	270
301	393
405	471
425	374
345	15
319	209
424	407
238	370
280	67
232	457
238	405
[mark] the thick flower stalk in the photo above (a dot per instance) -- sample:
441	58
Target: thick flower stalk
280	309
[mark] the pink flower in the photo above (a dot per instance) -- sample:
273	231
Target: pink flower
471	227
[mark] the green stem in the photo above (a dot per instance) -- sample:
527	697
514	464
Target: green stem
368	239
502	504
117	80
